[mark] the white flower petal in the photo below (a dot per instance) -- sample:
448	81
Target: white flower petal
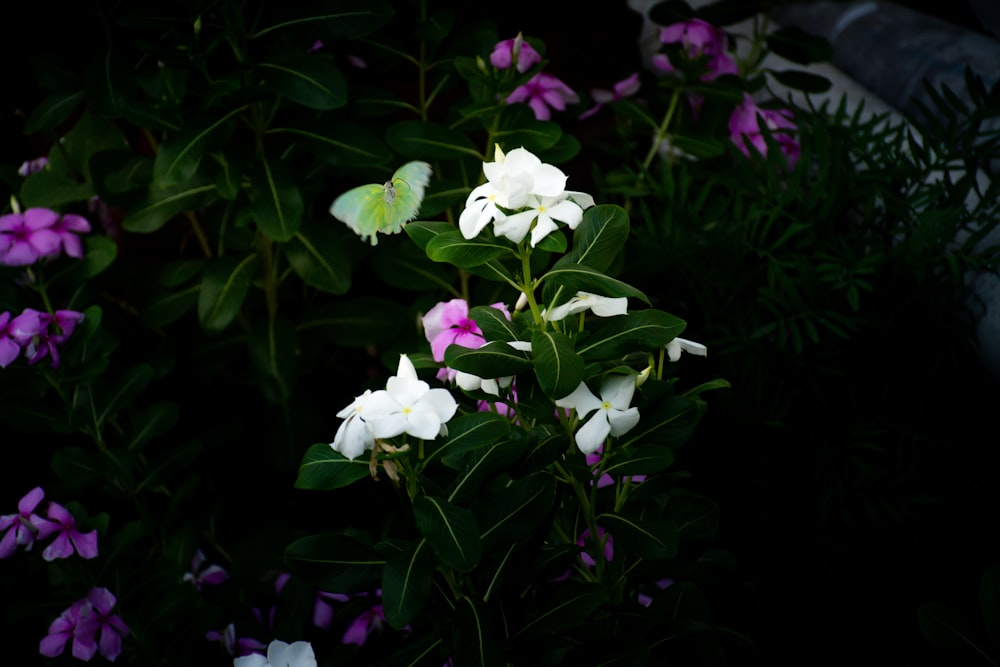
581	400
617	390
515	227
298	654
608	307
592	435
542	228
622	421
423	424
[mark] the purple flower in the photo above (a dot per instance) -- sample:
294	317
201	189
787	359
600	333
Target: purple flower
9	347
541	92
235	646
68	227
323	610
744	122
26	237
646	600
448	323
369	621
83	622
41	334
606	480
213	575
516	50
25	527
33	166
603	538
698	38
627	87
69	539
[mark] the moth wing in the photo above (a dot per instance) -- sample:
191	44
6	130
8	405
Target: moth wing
410	181
363	209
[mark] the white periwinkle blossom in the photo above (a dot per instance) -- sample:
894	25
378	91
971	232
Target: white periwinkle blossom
406	405
613	415
602	306
280	654
519	181
677	345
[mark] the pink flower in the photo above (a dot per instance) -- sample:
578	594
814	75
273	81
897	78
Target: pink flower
743	122
83	621
606	480
26	237
9	347
25	527
235	646
662	584
41	334
448	323
68	227
698	38
69	539
369	621
541	92
323	610
515	50
603	538
33	166
213	575
627	87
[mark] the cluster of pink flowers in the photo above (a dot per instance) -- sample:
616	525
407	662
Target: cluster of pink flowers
698	38
40	233
90	625
745	122
543	91
25	528
35	333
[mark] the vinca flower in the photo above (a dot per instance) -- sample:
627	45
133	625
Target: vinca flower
91	625
603	538
627	87
607	480
448	323
515	52
602	306
213	575
369	621
543	92
409	405
40	334
698	38
30	167
27	237
235	646
678	345
25	527
612	414
68	228
354	436
280	654
68	538
543	212
9	347
744	125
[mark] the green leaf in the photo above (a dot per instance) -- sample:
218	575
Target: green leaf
451	247
989	600
429	141
485	464
670	423
325	469
804	81
471	431
178	158
407	267
513	512
406	583
572	603
493	360
166	307
310	80
224	287
494	324
646	538
450	530
124	391
358	322
694	515
162	204
336	561
574	278
318	255
272	353
277	202
474	641
154	420
599	238
947	628
558	367
53	111
99	254
342	19
702	147
77	466
344	143
519	128
423	231
639	330
797	45
642	459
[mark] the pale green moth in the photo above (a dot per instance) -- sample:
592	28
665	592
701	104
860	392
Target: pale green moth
373	208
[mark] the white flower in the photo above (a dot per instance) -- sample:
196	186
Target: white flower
613	416
675	347
602	306
546	210
409	405
354	435
280	654
511	179
470	382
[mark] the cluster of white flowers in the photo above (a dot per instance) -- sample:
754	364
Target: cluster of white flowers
522	195
406	405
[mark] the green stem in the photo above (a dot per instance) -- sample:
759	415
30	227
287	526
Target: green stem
527	284
661	133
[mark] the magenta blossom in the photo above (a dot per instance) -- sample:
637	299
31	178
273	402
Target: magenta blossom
516	50
33	166
69	539
606	541
68	227
25	527
607	480
371	620
322	609
745	122
83	622
9	347
662	584
200	575
41	334
448	323
27	237
541	92
627	87
698	38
